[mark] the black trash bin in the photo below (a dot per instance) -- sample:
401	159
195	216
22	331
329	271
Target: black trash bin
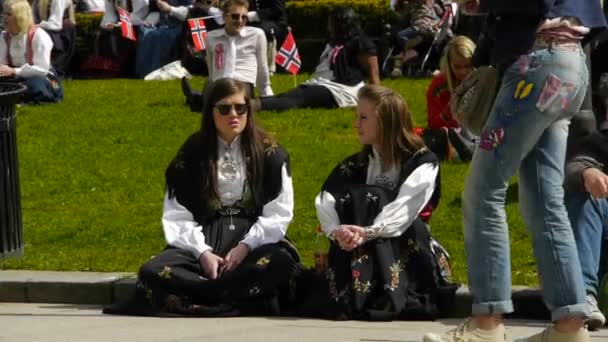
11	232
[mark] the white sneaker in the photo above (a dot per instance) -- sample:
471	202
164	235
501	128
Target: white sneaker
468	332
596	319
552	335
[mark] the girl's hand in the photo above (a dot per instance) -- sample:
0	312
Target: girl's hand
235	257
211	264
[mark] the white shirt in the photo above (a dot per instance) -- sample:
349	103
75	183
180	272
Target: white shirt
397	215
138	15
242	57
55	20
95	6
41	50
182	231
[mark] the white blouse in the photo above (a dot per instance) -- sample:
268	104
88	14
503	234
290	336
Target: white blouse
41	50
55	20
182	231
395	217
242	57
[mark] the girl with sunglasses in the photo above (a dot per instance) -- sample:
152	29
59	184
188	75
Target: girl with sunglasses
228	203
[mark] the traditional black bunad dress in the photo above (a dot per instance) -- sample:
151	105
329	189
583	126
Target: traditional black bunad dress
395	274
55	20
30	54
252	211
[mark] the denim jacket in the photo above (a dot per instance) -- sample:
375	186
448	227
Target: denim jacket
512	25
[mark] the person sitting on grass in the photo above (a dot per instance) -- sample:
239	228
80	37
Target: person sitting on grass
237	51
25	54
158	37
380	263
443	131
347	60
228	203
57	18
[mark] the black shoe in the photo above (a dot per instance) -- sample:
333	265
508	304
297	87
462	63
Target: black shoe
462	147
193	98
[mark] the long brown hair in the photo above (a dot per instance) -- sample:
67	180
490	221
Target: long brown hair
252	138
397	139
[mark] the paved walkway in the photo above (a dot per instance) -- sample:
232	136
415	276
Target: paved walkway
25	322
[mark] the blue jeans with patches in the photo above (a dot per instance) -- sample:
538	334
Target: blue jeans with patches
526	131
589	217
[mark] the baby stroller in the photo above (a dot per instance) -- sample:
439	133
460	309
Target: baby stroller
423	59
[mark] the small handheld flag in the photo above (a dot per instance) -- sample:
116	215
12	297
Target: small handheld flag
199	33
125	24
288	56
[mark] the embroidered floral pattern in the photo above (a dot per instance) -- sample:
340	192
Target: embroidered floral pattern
165	273
345	199
362	287
347	168
331	279
263	261
490	139
254	290
272	147
396	268
359	260
371	198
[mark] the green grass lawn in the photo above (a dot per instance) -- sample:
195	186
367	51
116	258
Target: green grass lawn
92	174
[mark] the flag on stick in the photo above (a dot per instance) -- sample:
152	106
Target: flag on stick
125	24
288	56
199	33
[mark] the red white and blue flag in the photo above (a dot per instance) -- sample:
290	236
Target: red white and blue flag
199	33
288	56
125	24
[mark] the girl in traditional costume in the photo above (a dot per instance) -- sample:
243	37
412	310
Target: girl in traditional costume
383	261
25	54
228	203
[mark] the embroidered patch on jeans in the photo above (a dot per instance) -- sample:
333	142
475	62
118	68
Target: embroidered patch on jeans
522	64
490	139
567	92
550	92
523	89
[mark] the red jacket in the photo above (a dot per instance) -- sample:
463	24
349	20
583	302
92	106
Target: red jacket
438	104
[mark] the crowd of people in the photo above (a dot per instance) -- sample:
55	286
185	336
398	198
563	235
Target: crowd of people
229	193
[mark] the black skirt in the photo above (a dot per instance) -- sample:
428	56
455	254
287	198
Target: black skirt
172	282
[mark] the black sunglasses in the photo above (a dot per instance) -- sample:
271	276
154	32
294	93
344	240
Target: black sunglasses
237	16
239	108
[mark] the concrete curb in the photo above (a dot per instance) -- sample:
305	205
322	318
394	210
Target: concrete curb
104	288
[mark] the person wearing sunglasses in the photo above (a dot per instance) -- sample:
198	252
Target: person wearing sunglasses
228	203
236	51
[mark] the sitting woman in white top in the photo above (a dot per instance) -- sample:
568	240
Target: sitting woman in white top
236	51
56	17
381	263
348	59
25	54
228	203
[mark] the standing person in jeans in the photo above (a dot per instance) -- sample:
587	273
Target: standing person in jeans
536	45
586	184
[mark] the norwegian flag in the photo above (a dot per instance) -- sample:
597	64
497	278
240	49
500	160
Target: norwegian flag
288	56
125	24
199	33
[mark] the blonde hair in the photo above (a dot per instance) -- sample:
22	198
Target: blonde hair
460	46
22	12
395	126
44	6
